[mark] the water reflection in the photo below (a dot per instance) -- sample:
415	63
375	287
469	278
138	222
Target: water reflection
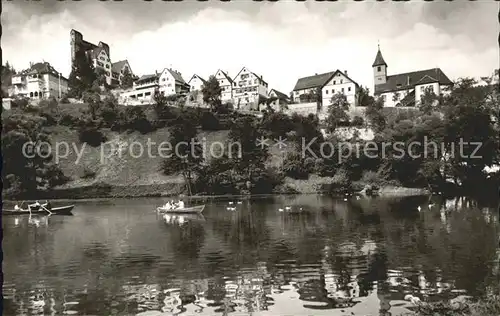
359	256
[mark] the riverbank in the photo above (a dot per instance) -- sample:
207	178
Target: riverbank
314	185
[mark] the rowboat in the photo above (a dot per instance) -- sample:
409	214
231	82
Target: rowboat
186	210
61	210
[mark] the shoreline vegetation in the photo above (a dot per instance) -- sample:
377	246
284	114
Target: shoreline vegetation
98	124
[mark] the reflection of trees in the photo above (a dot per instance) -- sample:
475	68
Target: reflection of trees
331	254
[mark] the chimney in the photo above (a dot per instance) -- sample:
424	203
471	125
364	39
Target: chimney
345	72
316	74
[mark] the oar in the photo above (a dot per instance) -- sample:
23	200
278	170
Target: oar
50	213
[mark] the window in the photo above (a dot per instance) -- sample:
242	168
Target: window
326	91
422	88
31	94
341	80
342	90
334	81
379	79
379	68
147	93
349	89
140	95
333	90
163	79
107	66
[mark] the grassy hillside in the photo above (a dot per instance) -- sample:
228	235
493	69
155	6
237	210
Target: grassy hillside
115	162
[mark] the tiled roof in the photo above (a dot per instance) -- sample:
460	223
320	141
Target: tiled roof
118	66
95	52
177	76
260	77
41	68
196	76
315	81
226	75
379	60
409	80
148	77
279	94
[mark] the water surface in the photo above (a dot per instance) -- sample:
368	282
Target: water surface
336	257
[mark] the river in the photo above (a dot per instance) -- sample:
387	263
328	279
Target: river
335	257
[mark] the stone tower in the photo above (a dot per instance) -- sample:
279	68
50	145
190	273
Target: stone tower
379	69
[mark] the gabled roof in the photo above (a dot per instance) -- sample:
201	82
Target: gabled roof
318	81
196	76
177	75
118	66
279	94
409	80
41	68
379	60
225	75
94	53
315	81
253	73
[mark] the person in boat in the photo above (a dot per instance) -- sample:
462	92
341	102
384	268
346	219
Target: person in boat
17	208
168	205
48	205
181	204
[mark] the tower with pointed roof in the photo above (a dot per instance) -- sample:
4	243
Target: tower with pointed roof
379	69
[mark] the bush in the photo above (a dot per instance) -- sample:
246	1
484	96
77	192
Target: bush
20	103
209	122
357	121
91	136
294	166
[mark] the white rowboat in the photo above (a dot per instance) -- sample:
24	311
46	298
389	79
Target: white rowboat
186	210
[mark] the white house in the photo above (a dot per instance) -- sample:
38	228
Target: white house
406	89
281	100
248	90
101	61
307	86
119	69
40	81
226	85
322	87
196	83
166	82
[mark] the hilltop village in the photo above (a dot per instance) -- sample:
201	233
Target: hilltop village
245	91
108	106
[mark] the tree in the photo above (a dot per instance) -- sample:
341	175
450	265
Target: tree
337	111
161	106
374	112
245	133
127	80
26	170
212	93
82	74
428	101
187	154
93	99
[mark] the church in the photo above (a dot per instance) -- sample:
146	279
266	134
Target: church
407	89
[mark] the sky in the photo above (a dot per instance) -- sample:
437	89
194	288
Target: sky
282	41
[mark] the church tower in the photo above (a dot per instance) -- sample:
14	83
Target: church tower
379	69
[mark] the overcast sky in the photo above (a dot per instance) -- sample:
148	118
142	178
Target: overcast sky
281	41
